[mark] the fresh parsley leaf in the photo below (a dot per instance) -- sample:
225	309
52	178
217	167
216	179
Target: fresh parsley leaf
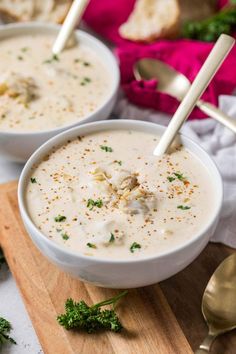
91	245
180	176
52	59
92	203
5	328
106	148
60	218
65	236
81	316
211	28
171	179
134	246
183	207
112	238
33	180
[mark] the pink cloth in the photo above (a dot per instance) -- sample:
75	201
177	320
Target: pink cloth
187	56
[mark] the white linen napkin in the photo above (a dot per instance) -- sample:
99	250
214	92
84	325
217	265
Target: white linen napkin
218	141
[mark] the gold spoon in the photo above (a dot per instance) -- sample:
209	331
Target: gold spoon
219	302
177	85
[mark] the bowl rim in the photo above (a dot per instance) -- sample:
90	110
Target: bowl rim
114	73
70	134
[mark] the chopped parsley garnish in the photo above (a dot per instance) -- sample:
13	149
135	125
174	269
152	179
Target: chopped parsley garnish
52	59
180	176
134	246
5	328
24	49
60	218
77	60
118	161
20	57
65	236
183	207
85	81
86	63
92	203
112	238
33	180
171	179
91	245
79	315
58	230
106	148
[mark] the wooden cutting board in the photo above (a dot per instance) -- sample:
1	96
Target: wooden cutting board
164	318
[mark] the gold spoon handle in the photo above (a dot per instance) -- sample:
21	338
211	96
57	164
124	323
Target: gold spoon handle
206	344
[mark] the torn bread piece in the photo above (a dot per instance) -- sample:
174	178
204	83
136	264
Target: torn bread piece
34	10
152	19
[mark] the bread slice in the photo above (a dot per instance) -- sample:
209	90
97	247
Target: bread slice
152	19
34	10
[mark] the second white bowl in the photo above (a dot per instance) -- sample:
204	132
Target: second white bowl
18	146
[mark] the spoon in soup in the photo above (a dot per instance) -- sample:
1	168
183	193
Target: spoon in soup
176	85
219	302
74	15
205	75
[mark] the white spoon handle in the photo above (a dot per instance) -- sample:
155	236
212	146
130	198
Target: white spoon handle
74	15
205	75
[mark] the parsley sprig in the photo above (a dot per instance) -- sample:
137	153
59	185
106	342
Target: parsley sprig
5	328
183	207
134	247
79	315
60	218
94	203
106	148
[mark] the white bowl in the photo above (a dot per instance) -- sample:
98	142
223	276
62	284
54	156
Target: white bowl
120	273
18	146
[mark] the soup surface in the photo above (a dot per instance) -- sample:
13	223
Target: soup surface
39	91
106	195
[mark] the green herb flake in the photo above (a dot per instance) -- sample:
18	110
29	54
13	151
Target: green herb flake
92	203
106	148
171	179
119	162
58	230
5	328
79	315
112	238
91	245
180	176
20	57
134	247
65	236
183	207
77	60
52	59
60	218
33	180
86	63
24	49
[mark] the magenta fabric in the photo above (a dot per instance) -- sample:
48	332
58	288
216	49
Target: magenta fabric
187	56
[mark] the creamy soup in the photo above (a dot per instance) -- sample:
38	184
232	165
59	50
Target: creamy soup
41	91
106	195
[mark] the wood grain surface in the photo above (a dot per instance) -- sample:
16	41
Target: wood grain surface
164	318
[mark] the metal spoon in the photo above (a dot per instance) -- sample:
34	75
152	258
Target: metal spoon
219	302
176	84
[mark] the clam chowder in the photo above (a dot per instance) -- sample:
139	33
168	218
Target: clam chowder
40	91
106	195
